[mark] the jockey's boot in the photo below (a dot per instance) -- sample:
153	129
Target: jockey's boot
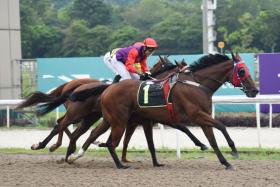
116	79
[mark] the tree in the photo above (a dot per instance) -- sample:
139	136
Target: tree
267	28
94	12
82	41
125	36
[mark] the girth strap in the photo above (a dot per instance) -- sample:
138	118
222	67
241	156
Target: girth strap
169	106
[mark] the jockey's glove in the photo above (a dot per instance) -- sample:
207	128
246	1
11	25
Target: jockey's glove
145	76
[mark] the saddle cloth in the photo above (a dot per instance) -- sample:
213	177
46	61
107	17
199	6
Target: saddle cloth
151	94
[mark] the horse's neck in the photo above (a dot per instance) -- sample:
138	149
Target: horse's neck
165	73
156	68
219	72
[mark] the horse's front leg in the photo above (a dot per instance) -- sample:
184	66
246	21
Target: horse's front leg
230	142
207	122
196	141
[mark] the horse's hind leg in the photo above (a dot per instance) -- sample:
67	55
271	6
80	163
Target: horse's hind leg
68	133
82	128
42	145
63	123
148	129
95	133
184	129
58	142
117	132
128	133
59	139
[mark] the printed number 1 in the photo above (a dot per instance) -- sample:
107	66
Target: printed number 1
146	94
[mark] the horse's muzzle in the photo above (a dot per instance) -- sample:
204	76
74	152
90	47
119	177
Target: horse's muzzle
252	93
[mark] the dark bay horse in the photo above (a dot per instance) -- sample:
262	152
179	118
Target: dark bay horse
191	97
88	112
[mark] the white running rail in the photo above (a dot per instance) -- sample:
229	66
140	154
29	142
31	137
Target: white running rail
229	99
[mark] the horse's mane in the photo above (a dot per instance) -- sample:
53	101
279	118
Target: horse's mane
208	60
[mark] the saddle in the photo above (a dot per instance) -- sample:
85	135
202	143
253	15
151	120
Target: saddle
156	93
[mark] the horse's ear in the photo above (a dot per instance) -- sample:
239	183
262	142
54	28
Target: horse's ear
232	56
161	59
176	62
237	56
184	62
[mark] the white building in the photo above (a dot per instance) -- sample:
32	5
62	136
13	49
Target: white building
10	49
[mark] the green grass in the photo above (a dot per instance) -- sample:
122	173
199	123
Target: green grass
186	154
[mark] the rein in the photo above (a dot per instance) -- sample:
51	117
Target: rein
196	82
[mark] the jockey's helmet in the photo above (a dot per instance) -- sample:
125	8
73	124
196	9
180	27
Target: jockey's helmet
150	43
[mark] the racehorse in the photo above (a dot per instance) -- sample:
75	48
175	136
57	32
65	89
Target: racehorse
191	99
88	113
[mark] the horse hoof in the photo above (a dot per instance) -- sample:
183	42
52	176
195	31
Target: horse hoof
102	145
158	165
230	168
96	142
53	148
71	159
203	148
126	161
35	147
235	155
123	167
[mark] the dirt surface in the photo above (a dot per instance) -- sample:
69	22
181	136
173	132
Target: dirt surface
48	170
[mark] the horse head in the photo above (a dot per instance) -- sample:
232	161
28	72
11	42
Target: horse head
212	71
163	65
241	77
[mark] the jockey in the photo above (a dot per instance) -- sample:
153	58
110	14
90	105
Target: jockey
122	60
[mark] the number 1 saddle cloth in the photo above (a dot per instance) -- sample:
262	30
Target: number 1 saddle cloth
155	94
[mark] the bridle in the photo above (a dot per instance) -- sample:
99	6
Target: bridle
239	74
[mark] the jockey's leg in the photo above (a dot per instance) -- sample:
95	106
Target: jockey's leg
121	69
134	76
108	62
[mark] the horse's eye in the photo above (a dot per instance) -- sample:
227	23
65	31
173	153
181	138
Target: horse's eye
241	72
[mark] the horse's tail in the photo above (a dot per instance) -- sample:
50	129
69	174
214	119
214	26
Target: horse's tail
58	91
40	97
54	102
84	94
34	98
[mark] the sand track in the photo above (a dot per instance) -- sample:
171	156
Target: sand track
47	170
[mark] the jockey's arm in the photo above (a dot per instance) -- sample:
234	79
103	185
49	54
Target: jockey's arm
131	58
144	66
